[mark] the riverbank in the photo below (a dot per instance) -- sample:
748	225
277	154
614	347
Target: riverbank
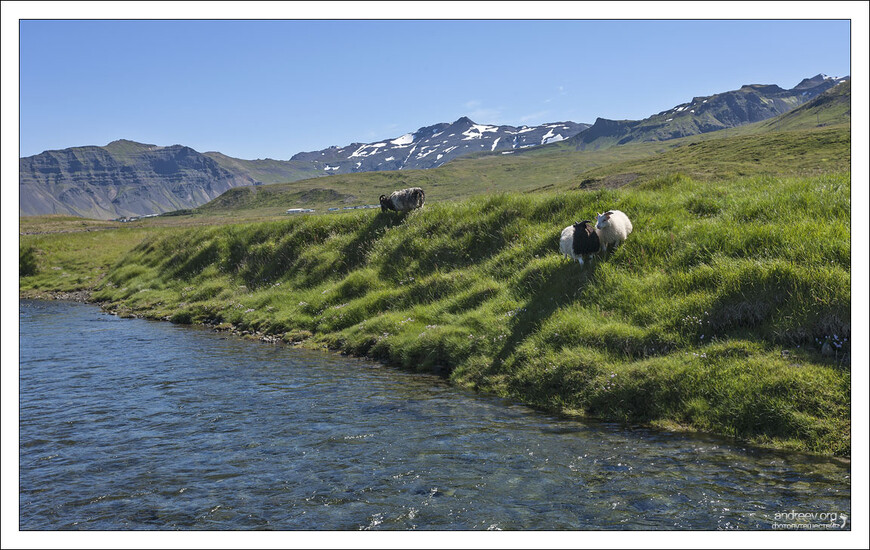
727	310
81	296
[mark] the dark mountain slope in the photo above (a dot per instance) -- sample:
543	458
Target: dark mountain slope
751	103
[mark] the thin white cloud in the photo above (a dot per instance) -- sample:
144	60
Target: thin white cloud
384	132
478	112
485	116
534	116
560	91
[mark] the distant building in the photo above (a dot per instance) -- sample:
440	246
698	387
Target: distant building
299	210
357	207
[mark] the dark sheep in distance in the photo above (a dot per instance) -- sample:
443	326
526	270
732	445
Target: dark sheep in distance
404	200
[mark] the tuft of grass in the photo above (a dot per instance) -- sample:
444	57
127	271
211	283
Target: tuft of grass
27	265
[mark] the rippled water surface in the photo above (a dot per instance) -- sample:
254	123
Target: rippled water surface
131	424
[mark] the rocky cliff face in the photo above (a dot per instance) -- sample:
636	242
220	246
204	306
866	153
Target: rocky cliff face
751	103
123	178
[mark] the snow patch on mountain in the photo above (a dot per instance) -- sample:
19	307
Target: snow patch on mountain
477	130
551	137
407	139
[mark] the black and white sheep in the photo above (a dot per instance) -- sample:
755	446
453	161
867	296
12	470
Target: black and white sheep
403	200
579	241
613	228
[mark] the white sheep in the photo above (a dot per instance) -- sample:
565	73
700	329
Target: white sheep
613	228
579	241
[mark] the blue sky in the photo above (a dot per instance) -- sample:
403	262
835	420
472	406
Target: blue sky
256	89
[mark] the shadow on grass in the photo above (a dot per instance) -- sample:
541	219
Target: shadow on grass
354	254
258	267
561	287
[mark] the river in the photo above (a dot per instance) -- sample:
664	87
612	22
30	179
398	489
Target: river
133	424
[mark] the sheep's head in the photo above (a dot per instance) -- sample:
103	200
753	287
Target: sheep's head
583	226
603	220
384	201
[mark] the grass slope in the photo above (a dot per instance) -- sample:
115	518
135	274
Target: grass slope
70	261
746	151
266	170
803	152
712	316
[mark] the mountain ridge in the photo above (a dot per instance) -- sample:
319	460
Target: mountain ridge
432	146
128	178
750	103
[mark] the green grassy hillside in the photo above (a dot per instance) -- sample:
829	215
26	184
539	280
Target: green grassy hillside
802	152
713	316
832	108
